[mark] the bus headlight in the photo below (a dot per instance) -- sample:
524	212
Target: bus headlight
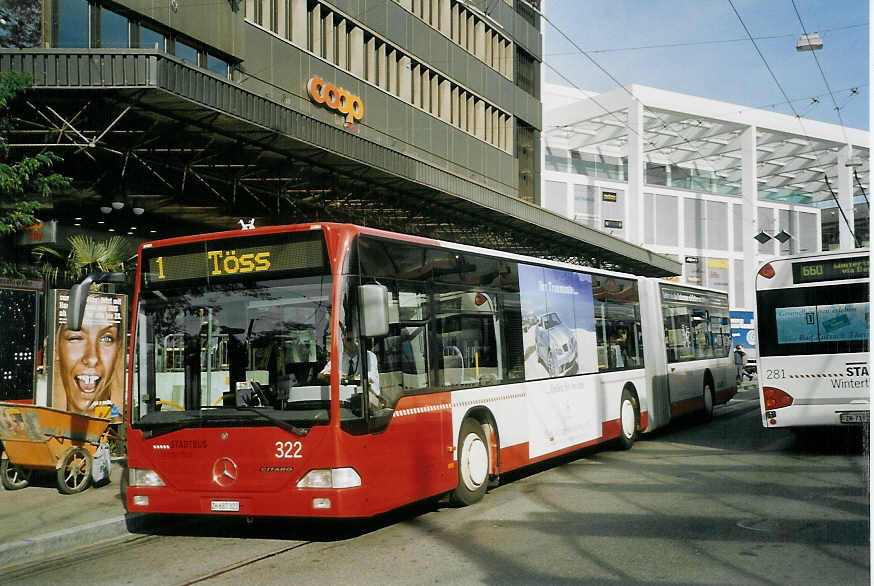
143	477
330	478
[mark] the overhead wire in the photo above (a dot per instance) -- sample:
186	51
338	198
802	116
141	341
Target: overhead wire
834	101
699	43
798	117
822	73
843	215
859	181
579	49
594	100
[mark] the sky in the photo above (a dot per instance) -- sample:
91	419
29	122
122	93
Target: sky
701	48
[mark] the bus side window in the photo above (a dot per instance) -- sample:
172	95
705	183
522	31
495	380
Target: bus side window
617	323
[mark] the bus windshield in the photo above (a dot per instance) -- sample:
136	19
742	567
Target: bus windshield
822	319
219	345
204	349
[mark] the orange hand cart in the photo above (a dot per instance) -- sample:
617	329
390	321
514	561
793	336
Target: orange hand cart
37	437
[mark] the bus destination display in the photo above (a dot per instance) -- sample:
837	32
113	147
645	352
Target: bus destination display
830	270
228	259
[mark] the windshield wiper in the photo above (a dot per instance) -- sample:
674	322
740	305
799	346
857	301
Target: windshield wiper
300	431
165	428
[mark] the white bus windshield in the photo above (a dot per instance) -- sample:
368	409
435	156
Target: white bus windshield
820	319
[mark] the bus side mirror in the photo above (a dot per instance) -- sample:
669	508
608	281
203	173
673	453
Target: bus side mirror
373	310
79	296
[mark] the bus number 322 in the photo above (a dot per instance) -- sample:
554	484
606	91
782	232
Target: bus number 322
288	449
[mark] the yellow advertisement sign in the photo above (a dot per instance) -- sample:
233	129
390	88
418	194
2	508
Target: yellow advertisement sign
717	263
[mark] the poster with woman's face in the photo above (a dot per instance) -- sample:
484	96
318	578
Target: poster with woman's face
89	365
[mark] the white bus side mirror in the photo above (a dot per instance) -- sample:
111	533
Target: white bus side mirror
373	310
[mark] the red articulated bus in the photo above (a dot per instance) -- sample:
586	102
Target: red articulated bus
334	370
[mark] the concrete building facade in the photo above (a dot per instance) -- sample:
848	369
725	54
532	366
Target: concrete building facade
700	180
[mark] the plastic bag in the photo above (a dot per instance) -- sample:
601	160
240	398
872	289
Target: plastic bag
101	464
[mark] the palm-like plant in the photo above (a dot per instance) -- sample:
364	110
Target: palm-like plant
86	255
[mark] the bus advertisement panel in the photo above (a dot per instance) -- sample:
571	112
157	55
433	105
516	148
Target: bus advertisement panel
562	341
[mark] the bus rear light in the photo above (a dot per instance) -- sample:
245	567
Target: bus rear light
144	477
479	299
321	503
767	271
141	500
775	398
330	478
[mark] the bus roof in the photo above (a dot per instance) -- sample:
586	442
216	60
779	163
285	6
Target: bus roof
382	234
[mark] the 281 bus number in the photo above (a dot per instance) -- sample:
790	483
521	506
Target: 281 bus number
289	449
775	373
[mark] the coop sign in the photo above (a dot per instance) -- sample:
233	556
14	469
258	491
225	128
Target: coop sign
336	98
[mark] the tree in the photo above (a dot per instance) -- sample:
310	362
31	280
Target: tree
26	182
86	255
20	20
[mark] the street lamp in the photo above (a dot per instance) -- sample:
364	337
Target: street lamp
809	42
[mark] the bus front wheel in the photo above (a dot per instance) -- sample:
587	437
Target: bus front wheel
473	463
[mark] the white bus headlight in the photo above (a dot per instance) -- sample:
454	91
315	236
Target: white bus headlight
330	478
143	477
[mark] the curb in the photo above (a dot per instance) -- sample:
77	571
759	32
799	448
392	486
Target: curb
59	541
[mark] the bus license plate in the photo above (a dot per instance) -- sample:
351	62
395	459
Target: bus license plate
854	417
225	506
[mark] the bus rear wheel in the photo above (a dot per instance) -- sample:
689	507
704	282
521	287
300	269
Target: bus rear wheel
473	463
629	420
707	413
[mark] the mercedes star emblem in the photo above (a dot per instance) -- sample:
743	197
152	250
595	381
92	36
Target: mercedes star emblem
224	472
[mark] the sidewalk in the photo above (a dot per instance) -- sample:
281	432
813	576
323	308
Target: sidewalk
40	521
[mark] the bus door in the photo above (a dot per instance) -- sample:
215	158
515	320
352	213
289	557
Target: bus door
659	407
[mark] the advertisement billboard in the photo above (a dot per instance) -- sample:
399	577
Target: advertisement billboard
88	367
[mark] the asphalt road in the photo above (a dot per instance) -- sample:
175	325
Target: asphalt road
722	503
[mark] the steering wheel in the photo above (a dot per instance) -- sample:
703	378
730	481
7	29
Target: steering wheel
259	396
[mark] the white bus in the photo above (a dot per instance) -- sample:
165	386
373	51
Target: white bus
812	322
688	343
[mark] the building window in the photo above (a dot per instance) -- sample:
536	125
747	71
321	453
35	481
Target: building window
186	52
525	10
555	197
861	226
656	174
114	30
829	226
556	159
526	138
150	39
717	225
71	23
526	72
584	202
666	221
216	65
695	225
